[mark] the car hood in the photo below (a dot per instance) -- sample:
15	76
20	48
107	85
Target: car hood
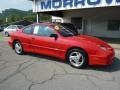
91	39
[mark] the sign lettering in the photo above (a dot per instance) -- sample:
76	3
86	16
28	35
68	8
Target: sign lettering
50	5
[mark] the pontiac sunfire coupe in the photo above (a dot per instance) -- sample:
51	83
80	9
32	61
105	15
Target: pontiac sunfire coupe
57	41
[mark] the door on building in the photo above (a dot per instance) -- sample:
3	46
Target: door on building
78	22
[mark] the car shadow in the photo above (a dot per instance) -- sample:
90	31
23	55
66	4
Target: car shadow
46	58
110	68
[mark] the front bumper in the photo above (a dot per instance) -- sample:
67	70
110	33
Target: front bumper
107	59
10	42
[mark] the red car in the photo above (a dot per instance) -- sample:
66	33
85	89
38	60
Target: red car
57	41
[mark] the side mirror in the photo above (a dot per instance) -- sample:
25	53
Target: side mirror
54	35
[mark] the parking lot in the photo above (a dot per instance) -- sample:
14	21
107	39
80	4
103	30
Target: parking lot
37	72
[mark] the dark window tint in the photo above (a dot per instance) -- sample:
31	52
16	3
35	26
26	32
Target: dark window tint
113	25
66	32
70	26
43	30
28	30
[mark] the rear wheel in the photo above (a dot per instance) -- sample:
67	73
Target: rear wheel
18	48
77	58
6	34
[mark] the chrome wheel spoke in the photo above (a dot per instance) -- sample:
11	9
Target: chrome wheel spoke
76	58
18	48
72	57
79	55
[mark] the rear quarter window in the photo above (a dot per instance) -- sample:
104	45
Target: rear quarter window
28	30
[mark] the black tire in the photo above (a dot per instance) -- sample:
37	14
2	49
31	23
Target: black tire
7	34
82	58
18	47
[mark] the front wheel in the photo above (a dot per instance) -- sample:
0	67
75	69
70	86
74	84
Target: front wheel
77	58
18	48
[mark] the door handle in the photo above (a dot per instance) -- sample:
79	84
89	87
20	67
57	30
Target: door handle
33	38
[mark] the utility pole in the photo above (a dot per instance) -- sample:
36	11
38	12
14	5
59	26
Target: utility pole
37	18
6	20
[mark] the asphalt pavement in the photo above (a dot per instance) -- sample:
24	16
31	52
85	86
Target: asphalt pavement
37	72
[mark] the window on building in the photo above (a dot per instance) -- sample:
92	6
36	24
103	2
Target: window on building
114	25
77	21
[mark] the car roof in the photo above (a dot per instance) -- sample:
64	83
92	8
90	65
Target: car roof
45	23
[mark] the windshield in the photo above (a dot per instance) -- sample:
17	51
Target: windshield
69	25
66	32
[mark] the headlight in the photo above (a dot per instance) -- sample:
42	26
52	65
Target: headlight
103	48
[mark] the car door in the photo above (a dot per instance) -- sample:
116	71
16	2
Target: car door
43	43
26	38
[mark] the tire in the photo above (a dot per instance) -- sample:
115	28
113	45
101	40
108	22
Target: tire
18	48
6	34
77	58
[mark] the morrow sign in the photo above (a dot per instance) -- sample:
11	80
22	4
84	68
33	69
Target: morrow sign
53	5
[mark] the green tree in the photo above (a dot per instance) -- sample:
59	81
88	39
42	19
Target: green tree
1	21
45	17
15	15
31	17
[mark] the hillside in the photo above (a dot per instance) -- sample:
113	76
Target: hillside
13	12
14	15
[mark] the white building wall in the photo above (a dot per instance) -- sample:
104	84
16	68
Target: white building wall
96	20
